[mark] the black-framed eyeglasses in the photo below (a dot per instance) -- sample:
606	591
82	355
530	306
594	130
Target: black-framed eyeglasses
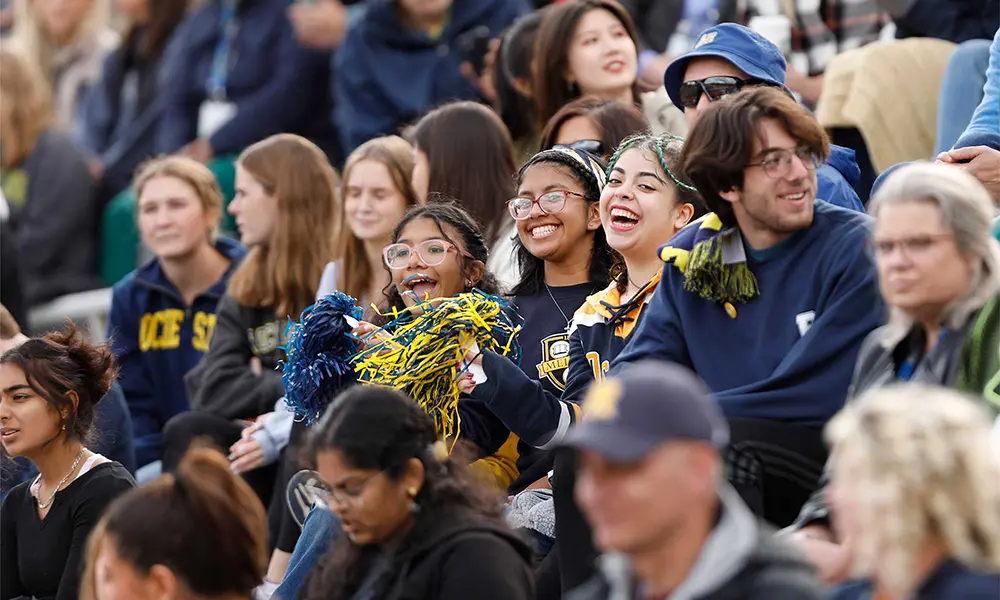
550	202
714	87
779	162
595	147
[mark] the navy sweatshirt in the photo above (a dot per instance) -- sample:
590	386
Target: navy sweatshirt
787	354
950	581
157	339
387	75
600	330
276	84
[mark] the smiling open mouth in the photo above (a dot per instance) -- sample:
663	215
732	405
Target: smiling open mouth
419	284
622	219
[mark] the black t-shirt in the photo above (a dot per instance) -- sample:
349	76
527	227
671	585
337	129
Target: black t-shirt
43	558
544	337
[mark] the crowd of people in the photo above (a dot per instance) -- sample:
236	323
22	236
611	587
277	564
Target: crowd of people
752	250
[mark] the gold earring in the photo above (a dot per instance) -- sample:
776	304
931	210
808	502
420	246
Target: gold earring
412	492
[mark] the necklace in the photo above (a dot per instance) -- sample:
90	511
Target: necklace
53	496
559	308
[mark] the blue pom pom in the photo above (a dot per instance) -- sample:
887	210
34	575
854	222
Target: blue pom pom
318	350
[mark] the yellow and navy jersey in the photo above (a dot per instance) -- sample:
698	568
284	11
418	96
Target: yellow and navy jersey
599	331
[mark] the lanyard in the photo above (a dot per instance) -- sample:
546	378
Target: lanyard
216	86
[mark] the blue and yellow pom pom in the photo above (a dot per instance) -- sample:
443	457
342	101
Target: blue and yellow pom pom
319	351
425	360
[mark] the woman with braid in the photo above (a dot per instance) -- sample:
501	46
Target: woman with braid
645	201
915	487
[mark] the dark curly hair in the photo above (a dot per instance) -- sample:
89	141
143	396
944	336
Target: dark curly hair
379	428
63	362
602	256
444	211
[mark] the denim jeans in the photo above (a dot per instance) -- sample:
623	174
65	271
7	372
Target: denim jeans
319	531
961	91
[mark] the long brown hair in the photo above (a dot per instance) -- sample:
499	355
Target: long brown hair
203	523
29	104
396	155
471	159
285	272
549	85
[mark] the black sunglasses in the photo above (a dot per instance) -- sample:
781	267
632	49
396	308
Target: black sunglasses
713	87
595	147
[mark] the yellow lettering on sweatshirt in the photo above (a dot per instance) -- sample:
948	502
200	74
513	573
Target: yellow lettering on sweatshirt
161	330
204	325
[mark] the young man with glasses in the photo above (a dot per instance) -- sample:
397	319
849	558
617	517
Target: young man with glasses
728	58
767	299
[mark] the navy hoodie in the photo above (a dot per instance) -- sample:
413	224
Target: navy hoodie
837	179
387	75
157	339
787	354
277	85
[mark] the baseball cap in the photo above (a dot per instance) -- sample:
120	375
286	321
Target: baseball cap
746	49
644	405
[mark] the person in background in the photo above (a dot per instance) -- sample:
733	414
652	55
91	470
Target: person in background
413	522
245	77
512	81
462	150
651	484
49	390
775	280
953	21
44	178
669	29
915	487
163	314
286	209
939	274
11	290
403	57
589	48
375	193
66	42
113	430
593	125
729	58
123	109
199	533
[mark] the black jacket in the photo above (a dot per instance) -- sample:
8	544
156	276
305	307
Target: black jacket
456	555
223	382
741	560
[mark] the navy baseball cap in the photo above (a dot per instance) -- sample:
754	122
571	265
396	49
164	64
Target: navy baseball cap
746	49
644	405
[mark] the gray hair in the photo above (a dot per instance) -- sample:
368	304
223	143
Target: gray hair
967	212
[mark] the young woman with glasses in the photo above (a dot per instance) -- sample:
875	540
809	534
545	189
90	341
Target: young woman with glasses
414	524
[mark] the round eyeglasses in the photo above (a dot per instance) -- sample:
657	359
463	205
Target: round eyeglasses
549	202
779	162
430	252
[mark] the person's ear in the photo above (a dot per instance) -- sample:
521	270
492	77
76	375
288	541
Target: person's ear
75	399
593	216
413	477
685	212
161	583
732	196
475	273
523	86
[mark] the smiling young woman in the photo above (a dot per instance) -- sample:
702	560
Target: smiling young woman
49	390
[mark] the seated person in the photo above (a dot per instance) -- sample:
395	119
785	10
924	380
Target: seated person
769	298
245	77
44	177
163	314
403	57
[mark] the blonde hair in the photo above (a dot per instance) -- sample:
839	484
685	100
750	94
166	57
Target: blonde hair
967	212
28	102
920	466
396	155
285	272
191	172
30	38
